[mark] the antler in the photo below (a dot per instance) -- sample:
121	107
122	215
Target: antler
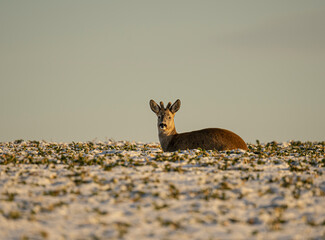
168	105
162	105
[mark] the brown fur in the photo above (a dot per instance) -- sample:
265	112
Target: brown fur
208	139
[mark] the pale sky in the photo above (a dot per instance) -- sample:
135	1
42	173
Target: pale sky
86	70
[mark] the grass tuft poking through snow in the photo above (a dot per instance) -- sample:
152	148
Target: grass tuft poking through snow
130	190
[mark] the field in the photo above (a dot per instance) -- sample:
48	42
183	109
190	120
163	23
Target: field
124	190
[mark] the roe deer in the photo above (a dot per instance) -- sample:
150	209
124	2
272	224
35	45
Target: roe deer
208	139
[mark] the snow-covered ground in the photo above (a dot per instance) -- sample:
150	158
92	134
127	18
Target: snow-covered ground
123	190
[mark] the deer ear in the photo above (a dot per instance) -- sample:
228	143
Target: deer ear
175	107
154	106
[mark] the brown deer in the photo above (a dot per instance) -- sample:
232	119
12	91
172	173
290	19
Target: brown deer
208	139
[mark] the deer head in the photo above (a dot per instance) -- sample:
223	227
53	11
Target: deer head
165	116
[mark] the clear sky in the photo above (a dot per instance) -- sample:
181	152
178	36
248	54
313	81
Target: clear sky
86	70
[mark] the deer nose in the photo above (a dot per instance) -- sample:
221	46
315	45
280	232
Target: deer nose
162	125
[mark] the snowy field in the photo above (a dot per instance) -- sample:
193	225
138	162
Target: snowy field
123	190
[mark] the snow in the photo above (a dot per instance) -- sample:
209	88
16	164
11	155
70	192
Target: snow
123	190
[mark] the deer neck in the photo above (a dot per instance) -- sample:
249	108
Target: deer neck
165	137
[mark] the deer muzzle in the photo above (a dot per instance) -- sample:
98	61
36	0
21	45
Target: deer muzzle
162	125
